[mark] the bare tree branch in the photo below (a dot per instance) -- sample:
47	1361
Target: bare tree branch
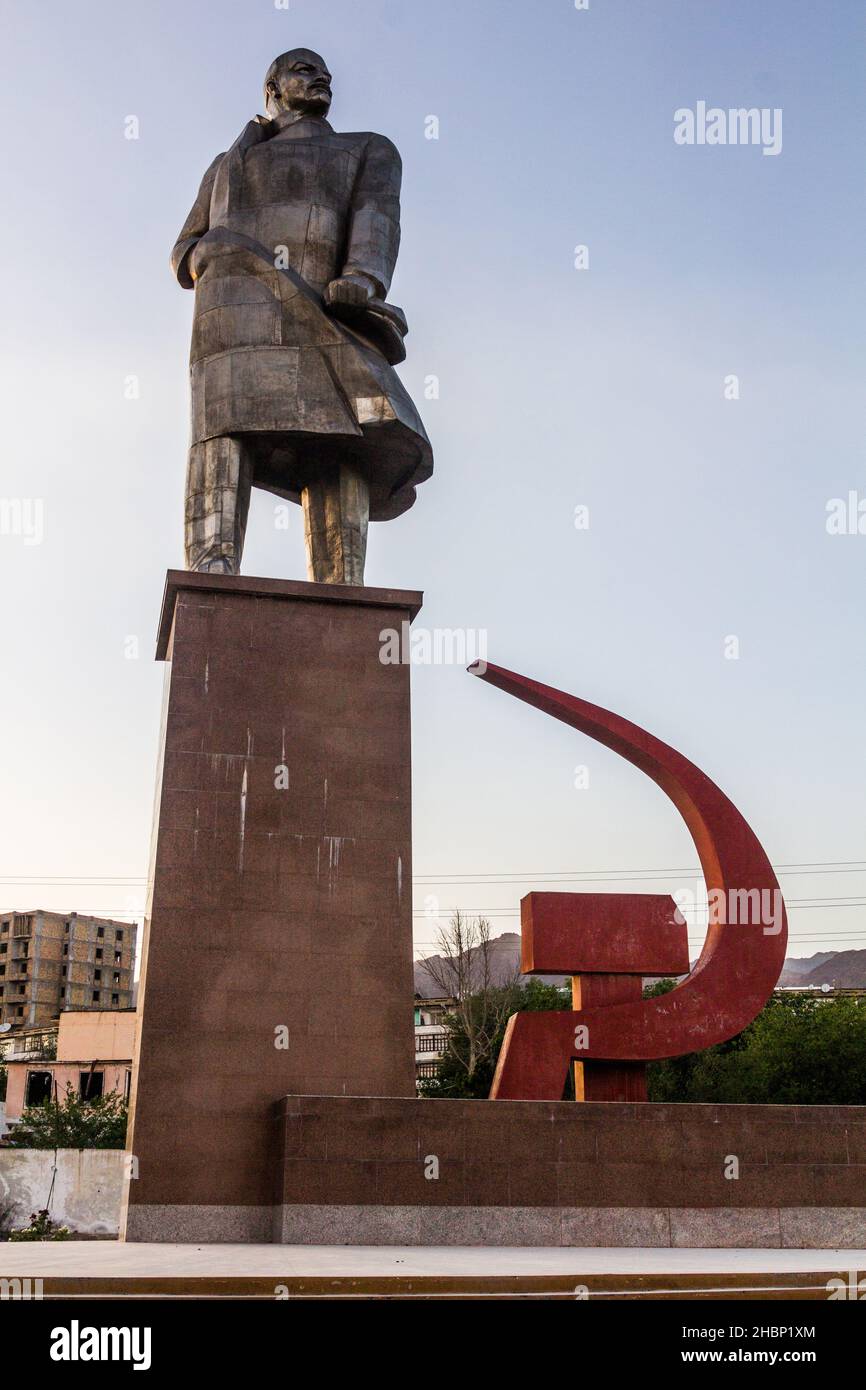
464	970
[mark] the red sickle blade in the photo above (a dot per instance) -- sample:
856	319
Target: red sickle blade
742	956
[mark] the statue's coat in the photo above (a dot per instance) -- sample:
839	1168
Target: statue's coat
289	208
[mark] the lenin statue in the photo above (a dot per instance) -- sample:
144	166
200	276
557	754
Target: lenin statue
290	247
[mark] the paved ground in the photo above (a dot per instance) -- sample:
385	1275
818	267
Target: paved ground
113	1259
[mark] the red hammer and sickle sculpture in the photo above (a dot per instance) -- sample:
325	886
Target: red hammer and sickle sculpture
610	940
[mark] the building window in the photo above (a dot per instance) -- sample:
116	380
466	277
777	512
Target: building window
3	949
90	1084
100	933
128	1087
115	998
66	950
115	979
19	1012
5	927
99	953
96	996
63	972
22	989
97	974
2	969
118	935
117	958
38	1088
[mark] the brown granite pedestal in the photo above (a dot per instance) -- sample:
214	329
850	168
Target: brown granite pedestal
278	940
548	1173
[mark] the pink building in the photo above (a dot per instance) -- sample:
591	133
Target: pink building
94	1057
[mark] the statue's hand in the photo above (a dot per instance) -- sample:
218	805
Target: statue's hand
350	291
193	262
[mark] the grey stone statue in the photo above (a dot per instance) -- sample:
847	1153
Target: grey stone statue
291	246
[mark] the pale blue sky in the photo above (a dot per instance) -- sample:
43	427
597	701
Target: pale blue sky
559	387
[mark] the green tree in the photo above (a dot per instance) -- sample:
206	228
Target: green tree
72	1124
800	1050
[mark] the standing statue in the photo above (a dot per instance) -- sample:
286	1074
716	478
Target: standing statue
291	246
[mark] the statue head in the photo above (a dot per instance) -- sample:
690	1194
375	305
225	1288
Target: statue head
298	81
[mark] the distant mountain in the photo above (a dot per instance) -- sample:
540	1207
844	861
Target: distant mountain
797	967
504	962
844	969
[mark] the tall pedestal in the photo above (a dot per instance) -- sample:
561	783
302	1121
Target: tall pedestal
278	942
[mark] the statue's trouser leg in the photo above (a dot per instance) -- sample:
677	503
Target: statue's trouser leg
336	513
218	482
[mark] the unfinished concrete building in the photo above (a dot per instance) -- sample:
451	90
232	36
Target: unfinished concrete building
51	961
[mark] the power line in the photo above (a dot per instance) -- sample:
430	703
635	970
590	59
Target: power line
698	940
500	912
802	866
802	904
619	876
694	941
504	911
818	866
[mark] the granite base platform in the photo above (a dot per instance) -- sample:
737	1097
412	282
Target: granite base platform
360	1171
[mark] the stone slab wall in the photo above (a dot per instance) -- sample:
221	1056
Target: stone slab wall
359	1171
87	1191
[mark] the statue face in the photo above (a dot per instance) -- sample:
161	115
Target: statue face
298	81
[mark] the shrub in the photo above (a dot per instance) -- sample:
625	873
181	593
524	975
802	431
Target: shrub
41	1228
72	1124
